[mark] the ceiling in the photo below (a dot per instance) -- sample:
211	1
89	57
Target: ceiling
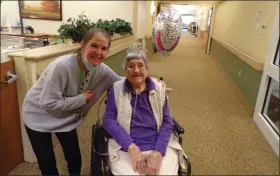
189	7
186	9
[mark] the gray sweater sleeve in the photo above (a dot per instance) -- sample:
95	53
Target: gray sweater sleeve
52	97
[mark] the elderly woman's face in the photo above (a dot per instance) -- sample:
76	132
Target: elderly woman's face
136	71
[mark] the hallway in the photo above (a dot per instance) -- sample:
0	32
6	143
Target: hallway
220	137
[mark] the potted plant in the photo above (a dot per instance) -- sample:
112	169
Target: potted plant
76	28
122	27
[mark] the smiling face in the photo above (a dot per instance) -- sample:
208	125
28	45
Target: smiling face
96	49
136	72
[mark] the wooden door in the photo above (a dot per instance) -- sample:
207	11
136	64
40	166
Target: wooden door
11	150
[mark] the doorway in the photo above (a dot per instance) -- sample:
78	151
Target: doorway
267	109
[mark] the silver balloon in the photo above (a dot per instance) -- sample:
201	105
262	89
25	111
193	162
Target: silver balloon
167	30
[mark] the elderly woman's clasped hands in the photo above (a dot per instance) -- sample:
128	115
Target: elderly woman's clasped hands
148	163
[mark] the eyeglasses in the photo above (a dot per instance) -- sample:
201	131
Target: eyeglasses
133	67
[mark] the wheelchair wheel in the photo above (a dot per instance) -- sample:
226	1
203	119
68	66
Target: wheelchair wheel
97	150
187	172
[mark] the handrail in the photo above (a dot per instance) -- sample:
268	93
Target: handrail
62	48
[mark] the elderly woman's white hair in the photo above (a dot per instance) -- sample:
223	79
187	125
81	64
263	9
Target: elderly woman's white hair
136	54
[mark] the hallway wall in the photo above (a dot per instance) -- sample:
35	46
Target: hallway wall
234	25
201	17
115	62
93	9
150	19
249	80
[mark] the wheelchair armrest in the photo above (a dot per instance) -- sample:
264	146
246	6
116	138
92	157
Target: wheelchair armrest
106	134
178	128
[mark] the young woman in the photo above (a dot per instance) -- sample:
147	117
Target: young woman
61	98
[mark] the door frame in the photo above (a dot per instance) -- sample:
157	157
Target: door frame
270	71
210	29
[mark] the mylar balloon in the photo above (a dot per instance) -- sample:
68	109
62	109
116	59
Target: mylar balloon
167	30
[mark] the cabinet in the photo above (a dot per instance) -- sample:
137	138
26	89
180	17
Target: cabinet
11	150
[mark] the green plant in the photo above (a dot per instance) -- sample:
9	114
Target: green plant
76	28
122	27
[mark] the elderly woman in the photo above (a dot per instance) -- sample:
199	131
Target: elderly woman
137	117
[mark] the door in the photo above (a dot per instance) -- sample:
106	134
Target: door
11	150
267	109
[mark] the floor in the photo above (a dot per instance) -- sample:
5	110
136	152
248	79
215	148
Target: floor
220	137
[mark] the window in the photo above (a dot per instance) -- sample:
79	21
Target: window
271	108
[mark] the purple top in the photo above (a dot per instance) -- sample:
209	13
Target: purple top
143	129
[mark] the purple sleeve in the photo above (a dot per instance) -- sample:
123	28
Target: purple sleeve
111	125
165	130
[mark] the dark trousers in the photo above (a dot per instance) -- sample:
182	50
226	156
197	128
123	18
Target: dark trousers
43	148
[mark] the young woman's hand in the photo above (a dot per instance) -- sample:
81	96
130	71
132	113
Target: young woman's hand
137	159
154	163
88	94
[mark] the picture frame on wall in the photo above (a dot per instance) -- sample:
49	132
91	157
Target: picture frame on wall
44	10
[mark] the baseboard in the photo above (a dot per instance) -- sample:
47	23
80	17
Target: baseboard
237	91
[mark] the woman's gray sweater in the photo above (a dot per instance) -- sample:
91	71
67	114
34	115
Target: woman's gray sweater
55	104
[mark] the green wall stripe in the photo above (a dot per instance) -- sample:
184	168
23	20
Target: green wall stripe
149	47
115	62
250	78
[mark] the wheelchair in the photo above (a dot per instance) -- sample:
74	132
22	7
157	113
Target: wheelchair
99	150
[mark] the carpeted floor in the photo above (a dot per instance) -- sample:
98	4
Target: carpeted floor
220	137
